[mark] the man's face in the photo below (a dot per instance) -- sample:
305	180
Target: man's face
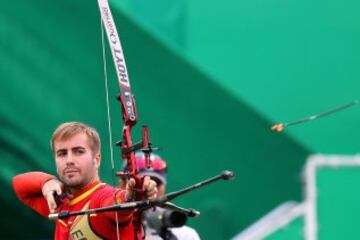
76	164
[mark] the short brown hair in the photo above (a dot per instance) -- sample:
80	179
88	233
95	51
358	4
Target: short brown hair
69	129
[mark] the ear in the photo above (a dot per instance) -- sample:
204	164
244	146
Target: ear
97	160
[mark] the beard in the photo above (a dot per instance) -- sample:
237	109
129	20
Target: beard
74	181
76	177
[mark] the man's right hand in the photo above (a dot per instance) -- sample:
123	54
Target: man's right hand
49	188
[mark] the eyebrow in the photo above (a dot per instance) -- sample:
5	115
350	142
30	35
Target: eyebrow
77	148
72	149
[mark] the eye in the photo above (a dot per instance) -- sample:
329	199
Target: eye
61	153
79	151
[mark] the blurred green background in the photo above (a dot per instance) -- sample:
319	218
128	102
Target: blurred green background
210	78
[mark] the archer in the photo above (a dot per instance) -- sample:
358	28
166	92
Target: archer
76	149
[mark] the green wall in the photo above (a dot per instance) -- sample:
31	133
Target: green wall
337	202
209	92
285	59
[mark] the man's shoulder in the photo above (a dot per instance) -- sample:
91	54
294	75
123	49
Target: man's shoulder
102	192
105	188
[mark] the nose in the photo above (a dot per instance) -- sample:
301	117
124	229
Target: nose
69	159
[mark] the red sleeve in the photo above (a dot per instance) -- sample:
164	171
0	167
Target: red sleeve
110	196
28	186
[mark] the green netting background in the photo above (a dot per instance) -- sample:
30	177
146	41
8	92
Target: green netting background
208	86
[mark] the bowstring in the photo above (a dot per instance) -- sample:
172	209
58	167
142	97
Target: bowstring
109	119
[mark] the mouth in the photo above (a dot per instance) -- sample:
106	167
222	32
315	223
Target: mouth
71	171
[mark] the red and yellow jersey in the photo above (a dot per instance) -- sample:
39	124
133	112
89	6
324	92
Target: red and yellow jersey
28	188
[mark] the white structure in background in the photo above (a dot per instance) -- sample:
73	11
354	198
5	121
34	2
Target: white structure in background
314	163
273	221
289	211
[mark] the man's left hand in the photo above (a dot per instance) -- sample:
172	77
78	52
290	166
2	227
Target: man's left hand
149	188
